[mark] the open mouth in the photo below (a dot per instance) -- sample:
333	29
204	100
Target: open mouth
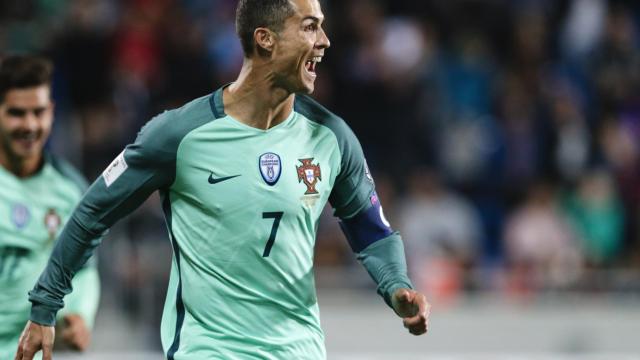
311	64
26	139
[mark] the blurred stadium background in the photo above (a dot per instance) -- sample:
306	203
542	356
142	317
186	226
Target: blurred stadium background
504	136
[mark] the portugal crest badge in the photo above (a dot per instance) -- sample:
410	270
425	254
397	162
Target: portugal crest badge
270	167
52	222
310	174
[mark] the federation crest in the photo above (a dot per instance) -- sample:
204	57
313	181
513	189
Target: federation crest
310	174
270	167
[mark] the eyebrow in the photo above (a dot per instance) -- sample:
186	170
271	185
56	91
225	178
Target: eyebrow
19	111
314	18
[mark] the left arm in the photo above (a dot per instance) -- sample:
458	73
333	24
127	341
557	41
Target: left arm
378	247
381	251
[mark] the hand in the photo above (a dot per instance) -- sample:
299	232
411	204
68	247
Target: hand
413	308
75	332
34	338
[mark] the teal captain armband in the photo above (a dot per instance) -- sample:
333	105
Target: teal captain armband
385	262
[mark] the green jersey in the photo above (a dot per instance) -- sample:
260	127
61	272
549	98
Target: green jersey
242	208
32	212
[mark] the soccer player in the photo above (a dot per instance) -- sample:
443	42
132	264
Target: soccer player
244	174
38	194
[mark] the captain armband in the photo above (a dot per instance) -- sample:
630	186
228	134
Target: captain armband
366	227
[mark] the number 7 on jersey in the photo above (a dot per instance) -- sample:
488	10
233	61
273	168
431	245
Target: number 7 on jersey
276	216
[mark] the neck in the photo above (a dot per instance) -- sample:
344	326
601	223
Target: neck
21	168
255	98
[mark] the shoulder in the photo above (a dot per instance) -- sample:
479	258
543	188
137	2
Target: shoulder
166	130
315	112
68	171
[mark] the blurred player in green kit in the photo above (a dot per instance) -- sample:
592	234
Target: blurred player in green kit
38	193
244	174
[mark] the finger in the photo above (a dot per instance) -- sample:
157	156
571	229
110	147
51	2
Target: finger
404	295
77	338
419	330
74	341
405	305
27	354
424	310
46	352
86	339
416	326
19	352
67	334
414	321
21	343
47	348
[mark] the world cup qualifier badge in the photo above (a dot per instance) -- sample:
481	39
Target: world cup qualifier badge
310	174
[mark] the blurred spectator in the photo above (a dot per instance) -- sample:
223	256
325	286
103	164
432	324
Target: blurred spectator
616	62
597	216
522	136
621	151
583	27
442	234
570	140
541	248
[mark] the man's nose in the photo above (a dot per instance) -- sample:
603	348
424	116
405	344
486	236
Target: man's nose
323	41
31	121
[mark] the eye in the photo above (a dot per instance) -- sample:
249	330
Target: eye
39	111
311	27
16	112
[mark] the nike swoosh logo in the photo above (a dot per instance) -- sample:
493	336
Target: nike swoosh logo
213	180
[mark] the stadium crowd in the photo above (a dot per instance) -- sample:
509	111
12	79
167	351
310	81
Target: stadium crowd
504	136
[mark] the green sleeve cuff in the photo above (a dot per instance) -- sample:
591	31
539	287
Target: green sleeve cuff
43	315
386	264
84	298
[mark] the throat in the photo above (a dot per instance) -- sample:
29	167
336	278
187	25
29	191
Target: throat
258	109
21	168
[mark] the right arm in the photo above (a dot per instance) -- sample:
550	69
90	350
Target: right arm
143	167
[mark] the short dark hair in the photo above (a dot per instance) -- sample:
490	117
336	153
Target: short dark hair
252	14
23	71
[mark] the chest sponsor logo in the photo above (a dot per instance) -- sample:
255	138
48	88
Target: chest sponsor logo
20	215
270	167
309	174
52	223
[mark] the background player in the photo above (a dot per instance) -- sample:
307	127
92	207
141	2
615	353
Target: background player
242	281
39	192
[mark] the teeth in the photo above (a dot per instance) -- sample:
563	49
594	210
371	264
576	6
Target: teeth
28	137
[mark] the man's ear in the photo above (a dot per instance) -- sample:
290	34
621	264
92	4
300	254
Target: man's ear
265	40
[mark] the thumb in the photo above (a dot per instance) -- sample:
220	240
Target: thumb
403	296
403	303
